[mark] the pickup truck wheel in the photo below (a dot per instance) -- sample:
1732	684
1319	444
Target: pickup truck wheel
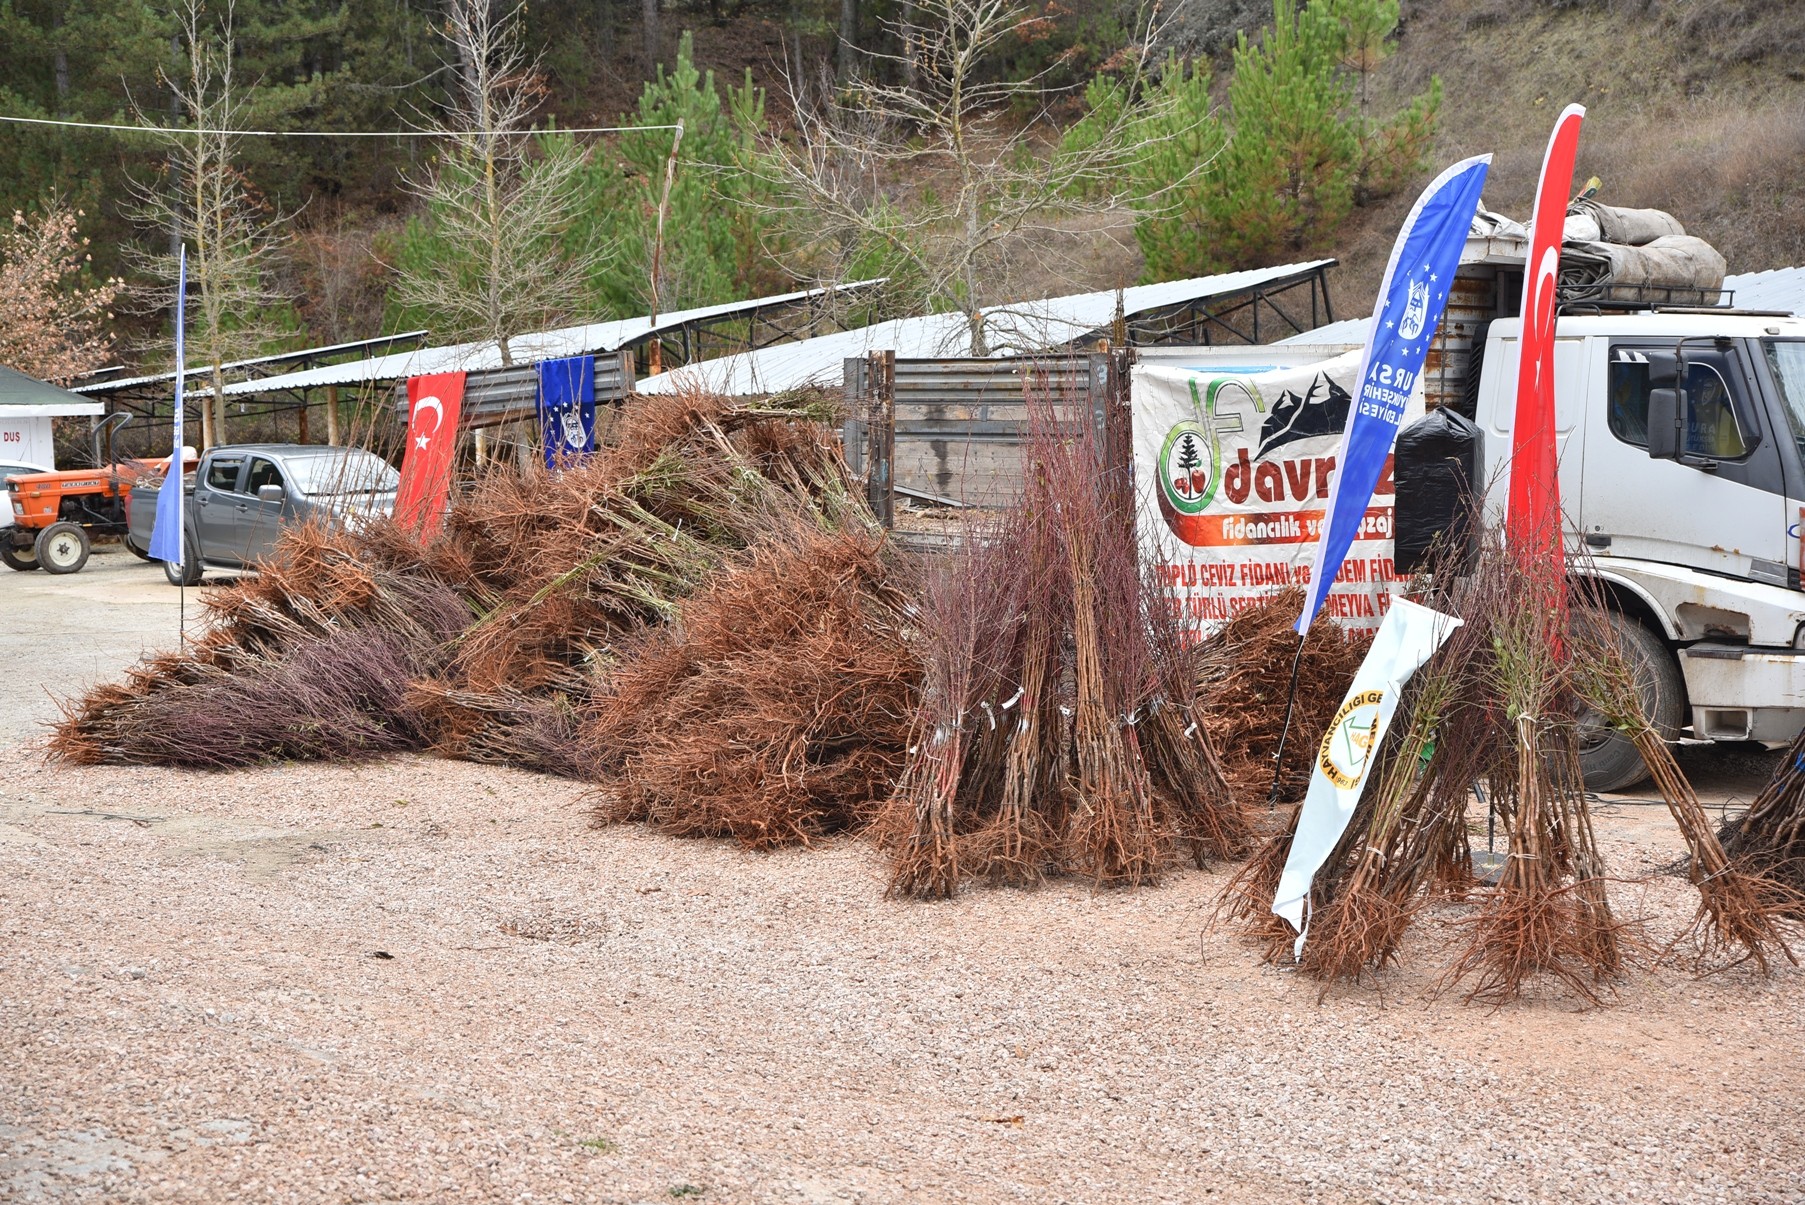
1608	759
62	548
23	557
189	572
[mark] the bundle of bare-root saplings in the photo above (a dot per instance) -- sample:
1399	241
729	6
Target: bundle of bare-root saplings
1060	730
718	549
1502	705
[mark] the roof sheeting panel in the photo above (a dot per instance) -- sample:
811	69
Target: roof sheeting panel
526	349
194	371
1013	329
1349	332
1778	289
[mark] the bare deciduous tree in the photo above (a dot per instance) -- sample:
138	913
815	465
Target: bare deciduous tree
499	197
988	183
50	325
234	241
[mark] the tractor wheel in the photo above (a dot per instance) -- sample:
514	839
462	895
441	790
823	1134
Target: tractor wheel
22	557
62	548
142	554
189	572
1608	760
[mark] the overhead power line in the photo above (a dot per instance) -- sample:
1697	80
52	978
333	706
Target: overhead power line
101	125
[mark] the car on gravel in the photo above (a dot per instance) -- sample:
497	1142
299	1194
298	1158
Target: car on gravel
244	495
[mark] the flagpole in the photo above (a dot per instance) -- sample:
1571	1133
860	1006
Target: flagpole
1278	759
168	534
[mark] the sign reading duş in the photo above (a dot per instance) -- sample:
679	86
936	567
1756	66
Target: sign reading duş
1234	471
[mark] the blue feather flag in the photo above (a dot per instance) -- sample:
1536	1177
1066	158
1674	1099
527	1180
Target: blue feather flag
166	531
1411	301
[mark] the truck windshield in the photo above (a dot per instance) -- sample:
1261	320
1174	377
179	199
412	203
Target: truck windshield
354	471
1787	358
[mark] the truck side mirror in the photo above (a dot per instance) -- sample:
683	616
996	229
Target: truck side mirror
270	493
1664	424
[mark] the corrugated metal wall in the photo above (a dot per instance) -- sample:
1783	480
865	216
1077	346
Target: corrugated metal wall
504	395
960	423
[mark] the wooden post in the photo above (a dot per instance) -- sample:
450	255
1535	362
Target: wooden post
301	423
332	415
880	434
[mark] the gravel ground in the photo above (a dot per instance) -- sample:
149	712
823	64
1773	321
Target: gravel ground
430	981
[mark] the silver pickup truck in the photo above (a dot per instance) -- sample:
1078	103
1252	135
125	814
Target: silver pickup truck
243	496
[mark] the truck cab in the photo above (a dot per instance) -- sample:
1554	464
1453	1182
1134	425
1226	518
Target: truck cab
1681	437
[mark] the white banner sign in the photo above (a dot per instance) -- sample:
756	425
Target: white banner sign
1234	470
1408	637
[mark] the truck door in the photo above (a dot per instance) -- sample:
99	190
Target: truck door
1721	507
216	502
262	519
1498	417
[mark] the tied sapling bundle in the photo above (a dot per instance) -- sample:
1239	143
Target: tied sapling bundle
1058	730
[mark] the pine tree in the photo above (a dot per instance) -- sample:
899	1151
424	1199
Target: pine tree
1296	152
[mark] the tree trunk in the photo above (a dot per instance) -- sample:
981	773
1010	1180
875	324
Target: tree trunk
849	38
218	401
911	42
653	41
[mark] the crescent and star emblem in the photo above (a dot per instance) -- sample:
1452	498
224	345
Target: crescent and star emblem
1542	301
438	418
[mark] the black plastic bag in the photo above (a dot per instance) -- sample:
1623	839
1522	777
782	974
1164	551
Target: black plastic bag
1435	465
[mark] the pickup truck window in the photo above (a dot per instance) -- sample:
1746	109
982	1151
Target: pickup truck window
343	472
1787	359
222	474
263	472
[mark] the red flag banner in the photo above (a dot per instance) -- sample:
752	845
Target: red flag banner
1533	521
433	403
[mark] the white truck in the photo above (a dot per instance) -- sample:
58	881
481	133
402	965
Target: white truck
1682	470
1681	436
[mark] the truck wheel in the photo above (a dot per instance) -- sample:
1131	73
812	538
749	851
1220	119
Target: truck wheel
22	557
189	573
1608	759
62	548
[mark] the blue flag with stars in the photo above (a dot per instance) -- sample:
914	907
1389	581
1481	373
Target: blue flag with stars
1411	301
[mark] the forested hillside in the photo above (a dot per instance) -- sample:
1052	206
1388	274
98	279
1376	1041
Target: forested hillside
972	150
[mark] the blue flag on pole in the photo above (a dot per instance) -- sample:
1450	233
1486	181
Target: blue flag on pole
166	530
567	408
1411	301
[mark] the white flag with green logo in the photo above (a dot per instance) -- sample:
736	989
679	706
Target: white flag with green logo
1408	636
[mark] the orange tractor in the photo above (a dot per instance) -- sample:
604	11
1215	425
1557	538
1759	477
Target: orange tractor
55	515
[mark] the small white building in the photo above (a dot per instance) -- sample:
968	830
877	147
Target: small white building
27	406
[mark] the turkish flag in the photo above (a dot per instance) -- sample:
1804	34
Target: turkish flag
1533	521
433	403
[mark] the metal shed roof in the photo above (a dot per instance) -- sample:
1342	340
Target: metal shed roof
1777	289
1349	332
544	345
112	385
1011	329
